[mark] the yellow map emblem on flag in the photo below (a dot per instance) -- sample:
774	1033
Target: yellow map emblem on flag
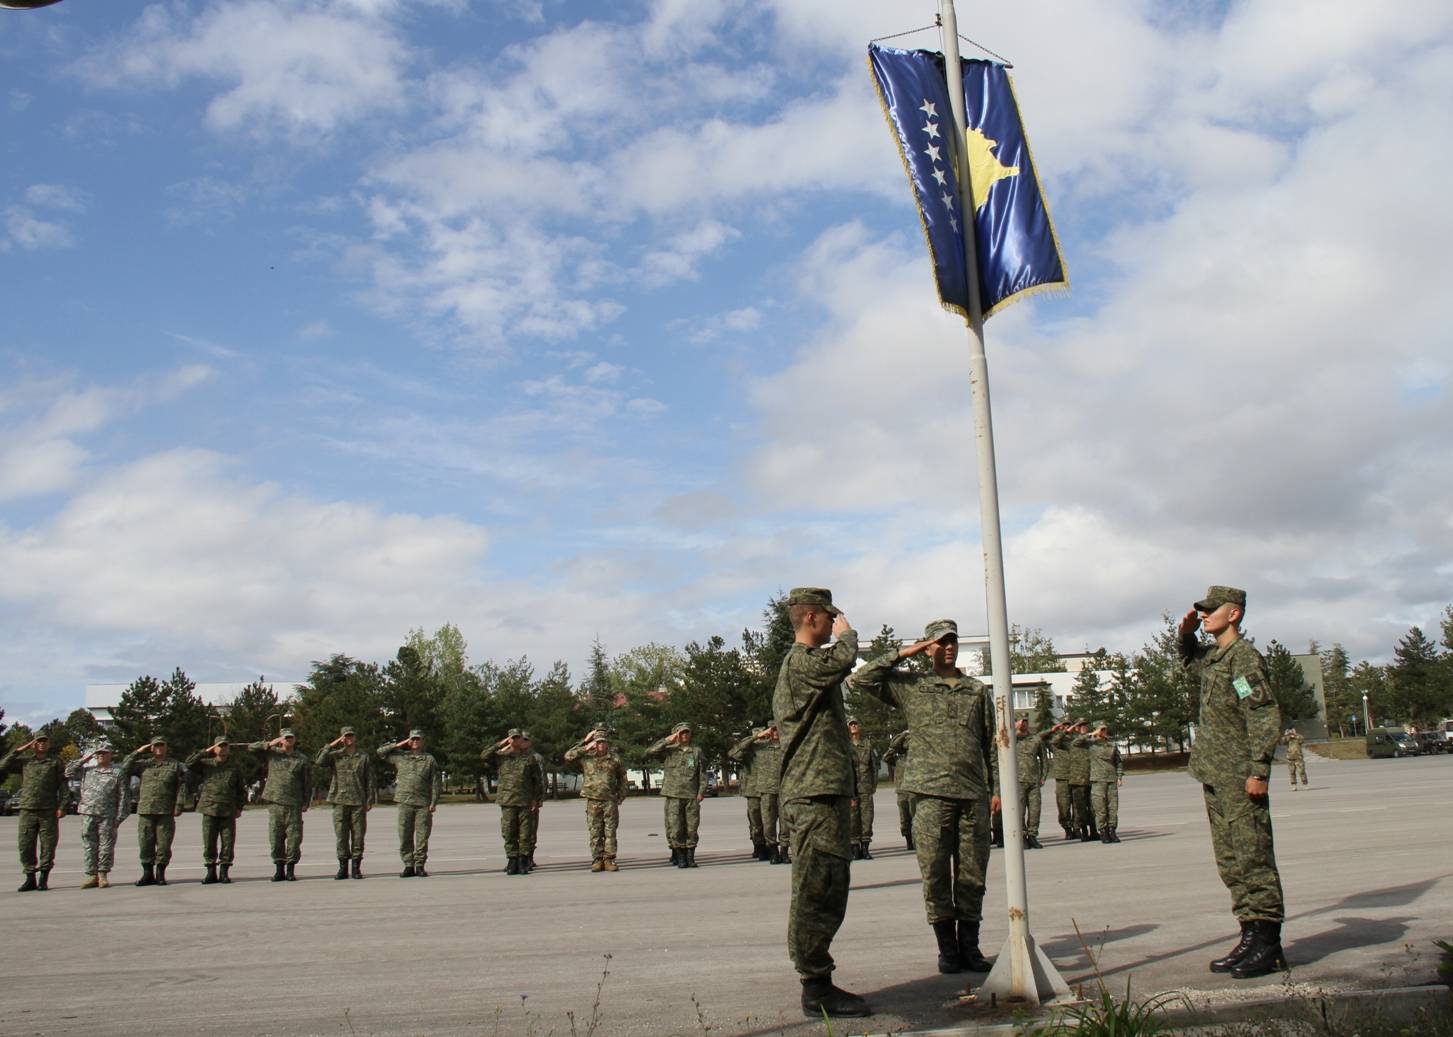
985	170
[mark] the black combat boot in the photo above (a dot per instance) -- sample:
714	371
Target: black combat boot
1227	963
529	862
1265	955
675	856
969	953
1069	833
161	874
908	841
1114	836
820	997
1031	842
222	875
211	877
690	857
342	868
292	875
357	868
419	872
42	881
786	855
513	867
1087	834
866	855
148	876
280	873
948	947
857	851
408	871
29	883
1105	837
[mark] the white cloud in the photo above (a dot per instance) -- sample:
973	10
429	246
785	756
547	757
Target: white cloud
681	254
38	221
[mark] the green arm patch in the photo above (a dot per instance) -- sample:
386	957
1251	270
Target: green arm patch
1243	687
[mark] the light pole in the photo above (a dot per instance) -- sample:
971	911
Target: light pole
1366	716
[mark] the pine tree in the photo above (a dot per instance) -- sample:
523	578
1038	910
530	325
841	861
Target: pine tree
1043	709
1343	702
1416	691
880	720
1088	700
1297	698
597	691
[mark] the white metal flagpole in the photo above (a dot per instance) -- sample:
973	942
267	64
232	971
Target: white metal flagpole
1022	972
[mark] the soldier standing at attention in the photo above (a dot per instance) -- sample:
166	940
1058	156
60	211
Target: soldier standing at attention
1059	770
518	792
530	830
865	786
603	787
817	791
1107	774
1072	742
1031	778
103	806
1296	759
43	798
158	803
897	760
220	803
683	787
417	789
767	775
1236	736
288	793
954	775
745	753
352	791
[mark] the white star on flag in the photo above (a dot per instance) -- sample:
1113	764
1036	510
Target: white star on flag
931	129
932	152
929	109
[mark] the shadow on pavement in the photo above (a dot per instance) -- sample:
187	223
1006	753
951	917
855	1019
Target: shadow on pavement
1068	951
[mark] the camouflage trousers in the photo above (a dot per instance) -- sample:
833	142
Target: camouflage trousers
39	831
219	838
1029	801
1084	816
775	831
952	841
754	819
862	819
1105	800
285	833
1064	804
905	814
415	825
1245	857
601	818
98	843
512	829
154	834
529	831
350	825
683	818
1295	767
821	861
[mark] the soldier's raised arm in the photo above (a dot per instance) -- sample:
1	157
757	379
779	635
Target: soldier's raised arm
742	749
658	748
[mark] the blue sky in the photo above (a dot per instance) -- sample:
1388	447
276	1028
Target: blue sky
327	319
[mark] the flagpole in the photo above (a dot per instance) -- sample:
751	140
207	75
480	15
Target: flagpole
1022	973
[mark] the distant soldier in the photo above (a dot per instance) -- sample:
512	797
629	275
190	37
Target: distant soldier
158	804
417	789
1077	773
352	791
220	802
683	787
767	776
744	752
288	793
1107	774
865	786
1239	726
954	772
103	806
43	799
1030	749
530	823
897	759
603	787
1296	759
519	792
1059	770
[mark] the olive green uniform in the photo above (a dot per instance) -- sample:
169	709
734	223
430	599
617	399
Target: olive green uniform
518	790
530	821
1106	769
1296	758
287	793
683	780
865	786
352	789
417	790
220	800
767	777
896	758
1030	750
43	794
603	787
1077	773
745	753
162	782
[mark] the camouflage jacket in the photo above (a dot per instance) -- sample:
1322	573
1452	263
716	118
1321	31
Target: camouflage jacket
1294	746
896	753
1030	750
683	775
42	782
1058	768
162	781
103	790
289	776
951	720
518	776
807	708
1105	761
354	783
223	792
604	777
1240	722
745	753
767	768
865	769
1076	757
420	781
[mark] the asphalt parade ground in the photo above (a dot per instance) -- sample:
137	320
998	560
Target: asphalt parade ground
1364	852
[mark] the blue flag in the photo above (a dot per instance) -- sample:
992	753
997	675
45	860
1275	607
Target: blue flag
1014	239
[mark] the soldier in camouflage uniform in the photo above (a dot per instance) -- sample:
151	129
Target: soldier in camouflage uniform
1107	774
158	804
954	773
220	802
530	824
817	791
1236	737
43	797
865	786
352	791
103	806
603	787
683	787
1059	770
288	793
745	753
417	789
1030	749
897	760
1296	759
519	791
1077	773
767	776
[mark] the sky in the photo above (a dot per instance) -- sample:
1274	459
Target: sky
324	320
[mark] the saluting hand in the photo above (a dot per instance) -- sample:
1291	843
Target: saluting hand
840	625
1189	622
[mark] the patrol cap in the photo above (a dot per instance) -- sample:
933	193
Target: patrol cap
1216	596
818	596
347	731
855	720
102	746
42	737
525	735
683	726
156	740
515	732
1099	725
416	733
287	732
939	629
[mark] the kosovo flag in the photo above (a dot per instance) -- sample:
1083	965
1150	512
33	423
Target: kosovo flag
1014	239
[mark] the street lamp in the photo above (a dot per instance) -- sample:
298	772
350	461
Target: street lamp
1366	716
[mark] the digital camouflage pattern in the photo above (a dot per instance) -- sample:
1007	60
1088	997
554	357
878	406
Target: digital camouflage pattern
353	781
103	806
767	768
603	787
220	799
744	752
42	781
418	786
1032	764
865	769
518	789
1106	769
683	774
530	821
289	775
897	750
821	862
1296	759
162	782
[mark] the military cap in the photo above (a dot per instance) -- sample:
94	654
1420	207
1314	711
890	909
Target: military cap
854	720
683	726
939	629
102	746
526	735
1099	725
1217	596
819	596
287	732
156	740
416	733
347	731
42	737
515	732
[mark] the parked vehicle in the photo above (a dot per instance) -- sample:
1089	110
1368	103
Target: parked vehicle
1386	742
1430	742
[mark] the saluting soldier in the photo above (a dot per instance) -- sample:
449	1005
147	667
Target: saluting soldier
352	791
220	802
1077	773
603	787
288	793
1031	777
767	774
530	823
897	760
158	803
1059	770
1296	758
43	799
519	791
865	766
417	789
1107	774
102	808
683	787
744	752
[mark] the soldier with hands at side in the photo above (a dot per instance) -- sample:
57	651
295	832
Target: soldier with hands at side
158	804
43	797
288	793
603	787
352	791
220	802
417	789
683	787
103	806
519	791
